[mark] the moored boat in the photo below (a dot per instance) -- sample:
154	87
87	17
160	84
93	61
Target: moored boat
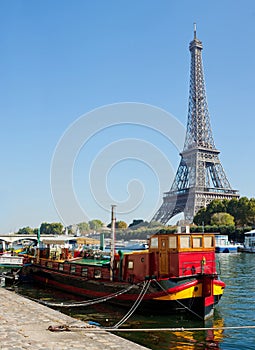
176	273
12	261
10	267
223	245
249	242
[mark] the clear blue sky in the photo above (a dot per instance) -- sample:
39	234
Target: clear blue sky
62	59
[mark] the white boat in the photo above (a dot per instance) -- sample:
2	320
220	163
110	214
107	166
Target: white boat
10	266
249	242
222	245
9	260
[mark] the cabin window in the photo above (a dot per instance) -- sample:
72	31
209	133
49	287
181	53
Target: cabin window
61	267
49	264
97	274
73	269
185	241
130	265
197	242
154	242
208	241
84	272
172	242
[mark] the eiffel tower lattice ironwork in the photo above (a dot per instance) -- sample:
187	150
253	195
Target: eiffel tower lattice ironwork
200	177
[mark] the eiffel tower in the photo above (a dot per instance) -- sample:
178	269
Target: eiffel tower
200	177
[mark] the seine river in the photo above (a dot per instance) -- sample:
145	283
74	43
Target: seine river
236	308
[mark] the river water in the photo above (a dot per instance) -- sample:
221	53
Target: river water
236	308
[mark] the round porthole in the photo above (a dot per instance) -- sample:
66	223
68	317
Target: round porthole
142	260
196	289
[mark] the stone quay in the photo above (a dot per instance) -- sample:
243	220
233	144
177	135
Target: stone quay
25	325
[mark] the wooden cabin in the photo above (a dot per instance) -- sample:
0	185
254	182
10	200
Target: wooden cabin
169	255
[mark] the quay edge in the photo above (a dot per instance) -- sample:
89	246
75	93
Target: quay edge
24	325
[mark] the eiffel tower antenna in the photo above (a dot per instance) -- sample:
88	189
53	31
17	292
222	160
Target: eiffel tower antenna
195	31
200	177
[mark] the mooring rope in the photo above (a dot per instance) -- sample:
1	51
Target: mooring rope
178	329
83	303
135	305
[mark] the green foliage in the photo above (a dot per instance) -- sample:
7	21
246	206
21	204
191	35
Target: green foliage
55	228
222	219
251	212
232	208
95	224
83	227
121	225
35	231
26	231
202	217
242	210
142	232
216	206
226	230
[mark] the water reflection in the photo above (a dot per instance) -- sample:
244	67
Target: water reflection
207	339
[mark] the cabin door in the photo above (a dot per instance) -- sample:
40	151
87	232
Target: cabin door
163	256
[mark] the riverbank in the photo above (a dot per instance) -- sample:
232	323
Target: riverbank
25	323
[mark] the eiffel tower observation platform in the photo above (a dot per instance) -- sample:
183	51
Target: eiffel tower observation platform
200	177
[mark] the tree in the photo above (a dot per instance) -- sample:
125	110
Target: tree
55	228
216	206
242	211
26	231
202	217
121	225
251	213
83	227
95	224
232	208
221	219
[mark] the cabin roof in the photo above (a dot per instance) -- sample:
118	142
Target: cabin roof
93	262
59	240
166	232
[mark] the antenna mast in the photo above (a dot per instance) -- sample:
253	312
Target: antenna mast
195	31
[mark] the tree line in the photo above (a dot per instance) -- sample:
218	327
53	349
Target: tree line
238	212
138	229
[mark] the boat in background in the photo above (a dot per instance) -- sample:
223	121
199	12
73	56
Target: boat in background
222	245
139	245
11	261
11	266
249	242
129	245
